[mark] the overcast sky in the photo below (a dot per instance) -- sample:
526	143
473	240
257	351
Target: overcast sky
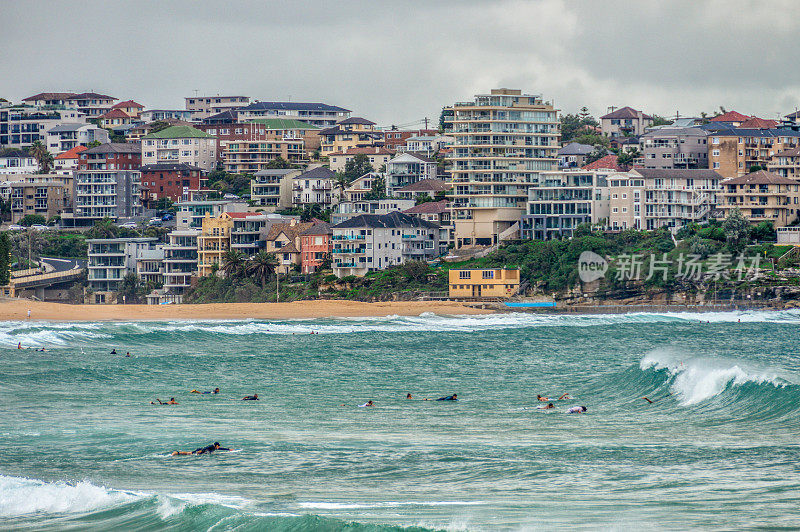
397	62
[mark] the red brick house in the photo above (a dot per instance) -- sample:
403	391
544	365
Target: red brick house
170	180
112	156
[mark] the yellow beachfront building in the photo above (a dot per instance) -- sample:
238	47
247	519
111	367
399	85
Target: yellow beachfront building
212	242
491	282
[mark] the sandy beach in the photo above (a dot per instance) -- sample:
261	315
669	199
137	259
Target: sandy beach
18	310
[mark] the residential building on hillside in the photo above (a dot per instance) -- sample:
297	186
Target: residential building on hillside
212	243
33	196
150	266
350	133
190	214
573	155
291	139
785	163
792	119
370	242
205	106
502	141
378	158
761	196
180	144
90	104
424	188
675	148
157	115
180	261
17	162
130	108
135	132
110	259
653	198
106	184
315	246
317	114
49	99
115	118
731	118
253	156
437	212
21	126
68	135
284	241
316	186
66	163
480	283
561	201
345	210
249	232
625	121
608	164
427	144
395	139
407	169
360	187
732	152
173	181
272	188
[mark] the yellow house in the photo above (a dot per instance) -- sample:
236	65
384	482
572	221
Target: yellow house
350	133
491	282
214	240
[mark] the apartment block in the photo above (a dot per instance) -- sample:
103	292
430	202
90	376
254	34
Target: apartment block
437	212
17	162
44	199
66	163
271	189
110	259
212	243
292	140
761	196
157	115
625	121
173	181
204	106
180	260
427	145
350	133
430	188
377	156
561	201
22	125
502	141
350	209
180	144
315	186
253	156
107	184
370	242
650	198
317	114
396	139
786	164
482	283
190	214
732	152
675	148
69	135
407	169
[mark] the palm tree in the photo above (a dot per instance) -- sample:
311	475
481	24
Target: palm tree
104	228
232	263
262	267
43	157
131	285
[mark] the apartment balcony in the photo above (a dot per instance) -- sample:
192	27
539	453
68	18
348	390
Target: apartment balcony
413	237
348	237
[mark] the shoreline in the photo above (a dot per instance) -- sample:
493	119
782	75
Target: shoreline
17	310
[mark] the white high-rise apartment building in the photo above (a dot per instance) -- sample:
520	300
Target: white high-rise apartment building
502	141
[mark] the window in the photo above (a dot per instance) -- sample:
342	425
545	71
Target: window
614	210
624	196
488	274
464	274
716	165
614	196
715	140
715	153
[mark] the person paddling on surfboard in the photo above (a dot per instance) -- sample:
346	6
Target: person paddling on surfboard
202	450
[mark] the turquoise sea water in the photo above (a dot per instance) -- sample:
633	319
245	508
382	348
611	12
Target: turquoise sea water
82	448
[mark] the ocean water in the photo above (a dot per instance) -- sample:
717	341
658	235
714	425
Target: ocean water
81	448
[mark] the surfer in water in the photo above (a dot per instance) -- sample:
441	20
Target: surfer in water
171	401
453	397
576	410
548	406
253	397
216	390
202	450
368	403
651	401
545	399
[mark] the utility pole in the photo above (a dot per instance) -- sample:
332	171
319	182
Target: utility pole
426	122
277	286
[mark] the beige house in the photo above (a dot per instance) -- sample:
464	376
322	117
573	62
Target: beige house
350	133
180	144
625	121
284	241
205	106
45	195
733	152
654	198
212	243
761	196
377	156
786	164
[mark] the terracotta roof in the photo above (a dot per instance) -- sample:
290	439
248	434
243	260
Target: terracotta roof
49	96
423	185
242	215
364	151
761	177
127	103
730	116
115	113
430	207
758	123
291	231
71	154
625	112
608	162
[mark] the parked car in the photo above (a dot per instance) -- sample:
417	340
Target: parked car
15	227
129	225
167	217
155	222
39	227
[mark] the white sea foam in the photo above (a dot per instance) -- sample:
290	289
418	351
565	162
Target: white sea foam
37	334
697	379
23	496
387	504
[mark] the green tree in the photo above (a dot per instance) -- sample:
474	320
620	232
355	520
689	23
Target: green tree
444	124
233	263
357	166
325	262
378	190
158	125
104	228
32	219
592	139
5	258
43	157
131	287
660	121
279	163
93	144
262	267
755	168
626	159
596	154
27	246
764	232
737	231
576	125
